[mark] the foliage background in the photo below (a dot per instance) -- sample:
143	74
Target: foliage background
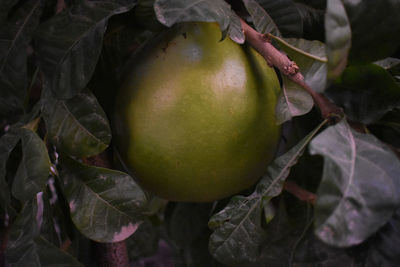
60	65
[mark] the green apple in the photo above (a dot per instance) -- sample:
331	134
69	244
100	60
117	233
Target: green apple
195	118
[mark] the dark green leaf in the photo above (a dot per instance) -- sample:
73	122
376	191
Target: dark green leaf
77	126
388	128
360	187
51	255
366	92
187	222
313	21
238	233
310	56
388	63
197	254
285	16
105	205
260	18
145	15
7	143
293	101
337	38
385	246
378	29
33	170
171	12
144	241
69	44
26	247
15	36
6	5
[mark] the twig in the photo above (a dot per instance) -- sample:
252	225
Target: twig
261	43
299	192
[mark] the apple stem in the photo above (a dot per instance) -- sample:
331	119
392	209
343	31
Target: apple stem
262	44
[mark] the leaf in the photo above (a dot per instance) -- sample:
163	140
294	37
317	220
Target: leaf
51	255
360	187
144	241
187	222
285	15
337	38
261	20
15	36
145	15
292	101
6	5
366	92
69	44
388	63
310	56
385	246
105	205
171	12
7	143
26	247
34	169
77	126
378	29
388	128
313	20
238	233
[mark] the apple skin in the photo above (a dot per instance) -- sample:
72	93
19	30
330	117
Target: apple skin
195	118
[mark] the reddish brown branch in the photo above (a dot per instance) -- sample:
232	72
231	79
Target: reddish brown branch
261	43
299	192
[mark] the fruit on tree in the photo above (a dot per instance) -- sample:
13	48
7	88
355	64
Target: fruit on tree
195	117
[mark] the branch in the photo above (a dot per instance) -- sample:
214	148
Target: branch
299	192
261	43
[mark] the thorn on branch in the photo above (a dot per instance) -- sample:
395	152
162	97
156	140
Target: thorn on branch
291	69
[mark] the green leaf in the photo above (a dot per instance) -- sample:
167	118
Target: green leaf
34	169
385	246
105	205
69	44
6	5
15	36
360	187
388	128
337	38
238	232
378	29
77	126
260	18
145	15
187	222
293	101
285	15
313	21
310	56
171	12
388	63
366	92
26	247
7	143
51	255
144	241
